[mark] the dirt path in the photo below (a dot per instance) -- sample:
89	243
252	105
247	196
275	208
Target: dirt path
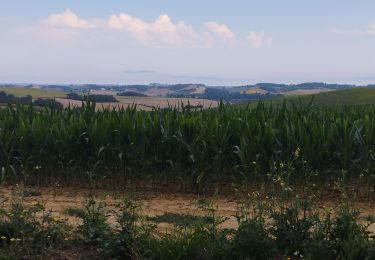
153	204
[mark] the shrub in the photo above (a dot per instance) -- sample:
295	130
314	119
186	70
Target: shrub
29	231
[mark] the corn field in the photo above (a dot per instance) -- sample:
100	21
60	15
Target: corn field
224	142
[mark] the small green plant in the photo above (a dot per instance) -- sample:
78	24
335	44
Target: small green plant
29	231
95	228
252	239
182	220
292	225
133	236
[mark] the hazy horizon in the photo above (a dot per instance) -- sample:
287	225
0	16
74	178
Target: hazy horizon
214	43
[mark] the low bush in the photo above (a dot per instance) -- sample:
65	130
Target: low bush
30	231
268	228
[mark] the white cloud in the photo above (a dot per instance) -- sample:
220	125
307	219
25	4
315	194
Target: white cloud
256	39
159	32
220	29
369	30
67	19
269	42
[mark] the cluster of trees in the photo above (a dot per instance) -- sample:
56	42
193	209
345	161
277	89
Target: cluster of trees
225	95
40	102
11	99
47	102
131	94
95	98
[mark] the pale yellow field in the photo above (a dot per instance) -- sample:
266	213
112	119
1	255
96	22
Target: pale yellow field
145	103
256	91
300	92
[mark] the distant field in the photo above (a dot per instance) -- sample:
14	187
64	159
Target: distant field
352	96
300	92
145	103
34	92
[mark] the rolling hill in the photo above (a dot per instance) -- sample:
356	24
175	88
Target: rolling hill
34	92
351	96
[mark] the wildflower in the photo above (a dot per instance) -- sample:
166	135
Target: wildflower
18	239
297	152
3	237
12	239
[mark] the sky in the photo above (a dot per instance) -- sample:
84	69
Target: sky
214	42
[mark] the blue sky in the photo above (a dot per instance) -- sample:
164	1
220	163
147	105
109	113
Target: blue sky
212	42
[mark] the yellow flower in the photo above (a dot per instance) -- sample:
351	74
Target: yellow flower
296	153
3	237
12	239
18	239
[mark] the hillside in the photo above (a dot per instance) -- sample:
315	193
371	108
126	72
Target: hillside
352	96
34	92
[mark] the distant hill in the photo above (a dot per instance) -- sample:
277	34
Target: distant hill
230	94
34	92
351	96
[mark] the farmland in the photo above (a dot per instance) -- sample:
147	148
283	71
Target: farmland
187	182
351	96
196	145
34	92
145	103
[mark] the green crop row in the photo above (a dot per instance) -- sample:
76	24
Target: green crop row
216	143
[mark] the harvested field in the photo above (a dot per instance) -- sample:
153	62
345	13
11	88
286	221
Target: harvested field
145	103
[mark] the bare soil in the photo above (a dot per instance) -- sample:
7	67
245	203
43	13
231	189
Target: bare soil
152	203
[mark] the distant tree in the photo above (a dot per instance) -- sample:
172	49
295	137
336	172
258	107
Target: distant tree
102	98
74	96
131	94
11	99
40	102
95	98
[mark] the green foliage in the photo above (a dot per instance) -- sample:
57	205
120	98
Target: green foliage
29	231
349	96
253	241
189	144
268	228
95	228
182	220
